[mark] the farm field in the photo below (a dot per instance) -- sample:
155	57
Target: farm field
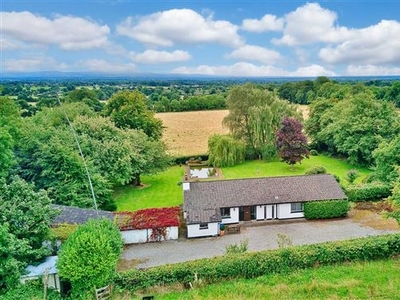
162	190
187	133
362	280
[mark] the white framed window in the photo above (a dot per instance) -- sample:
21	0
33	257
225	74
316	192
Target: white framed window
203	226
225	212
296	207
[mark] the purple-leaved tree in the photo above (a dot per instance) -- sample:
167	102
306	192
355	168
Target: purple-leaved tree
291	142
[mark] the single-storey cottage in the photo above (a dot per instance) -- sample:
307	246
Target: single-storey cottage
207	204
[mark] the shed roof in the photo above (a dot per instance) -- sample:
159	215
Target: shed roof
205	198
77	215
39	270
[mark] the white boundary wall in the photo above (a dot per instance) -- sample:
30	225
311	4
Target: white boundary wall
138	236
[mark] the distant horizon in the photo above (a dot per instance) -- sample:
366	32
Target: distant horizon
225	38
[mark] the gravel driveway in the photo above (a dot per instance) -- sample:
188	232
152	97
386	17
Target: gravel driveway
258	237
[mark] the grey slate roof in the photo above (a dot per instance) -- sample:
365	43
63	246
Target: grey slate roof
76	215
205	198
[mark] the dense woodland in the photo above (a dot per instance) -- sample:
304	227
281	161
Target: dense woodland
46	127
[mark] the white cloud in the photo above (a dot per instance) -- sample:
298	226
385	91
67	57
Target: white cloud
184	26
266	23
310	24
256	53
7	45
377	44
68	32
104	66
155	57
312	71
371	70
248	69
33	64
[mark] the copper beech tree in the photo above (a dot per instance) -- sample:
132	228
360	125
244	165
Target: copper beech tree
291	142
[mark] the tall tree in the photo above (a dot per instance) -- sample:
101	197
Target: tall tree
225	151
84	95
291	142
254	116
127	109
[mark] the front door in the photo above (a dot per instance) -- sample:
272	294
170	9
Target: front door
246	213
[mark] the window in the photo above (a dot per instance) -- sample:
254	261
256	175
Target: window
296	207
225	212
203	226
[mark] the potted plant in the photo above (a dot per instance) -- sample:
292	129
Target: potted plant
221	229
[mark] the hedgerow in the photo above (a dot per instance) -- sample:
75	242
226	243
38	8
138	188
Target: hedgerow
326	209
254	264
368	192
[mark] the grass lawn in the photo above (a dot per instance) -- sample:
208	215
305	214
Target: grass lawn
257	168
160	190
363	280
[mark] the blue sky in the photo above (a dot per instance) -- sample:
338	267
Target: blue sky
228	38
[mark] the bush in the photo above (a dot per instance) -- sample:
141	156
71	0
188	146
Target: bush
89	257
314	152
368	192
237	248
181	160
316	170
255	264
352	175
326	209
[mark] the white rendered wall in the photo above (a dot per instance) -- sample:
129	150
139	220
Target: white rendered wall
144	235
284	212
193	230
234	216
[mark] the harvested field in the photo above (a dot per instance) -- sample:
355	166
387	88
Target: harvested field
187	133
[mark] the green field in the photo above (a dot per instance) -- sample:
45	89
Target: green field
363	280
162	190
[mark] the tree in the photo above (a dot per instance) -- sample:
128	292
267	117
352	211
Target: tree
254	116
225	151
25	218
84	95
356	126
89	257
127	109
291	142
387	160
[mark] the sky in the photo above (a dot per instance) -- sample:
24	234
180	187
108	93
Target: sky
224	38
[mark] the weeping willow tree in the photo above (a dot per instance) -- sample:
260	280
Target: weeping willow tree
255	115
225	151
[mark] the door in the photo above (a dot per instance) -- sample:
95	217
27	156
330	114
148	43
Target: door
247	213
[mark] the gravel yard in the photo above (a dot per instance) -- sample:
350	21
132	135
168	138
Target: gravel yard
258	237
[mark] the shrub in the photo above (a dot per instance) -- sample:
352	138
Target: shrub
314	152
326	209
368	192
316	170
237	248
63	231
89	257
352	175
255	264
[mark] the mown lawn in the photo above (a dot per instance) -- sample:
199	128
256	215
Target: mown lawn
160	190
363	280
257	168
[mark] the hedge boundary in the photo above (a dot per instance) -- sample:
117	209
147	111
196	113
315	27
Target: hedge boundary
255	264
326	209
368	192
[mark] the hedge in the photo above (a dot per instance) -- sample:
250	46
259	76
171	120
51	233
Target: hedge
326	209
181	160
368	192
255	264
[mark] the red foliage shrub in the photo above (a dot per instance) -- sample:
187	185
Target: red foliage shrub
151	218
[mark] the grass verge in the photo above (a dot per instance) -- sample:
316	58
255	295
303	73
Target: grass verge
363	280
